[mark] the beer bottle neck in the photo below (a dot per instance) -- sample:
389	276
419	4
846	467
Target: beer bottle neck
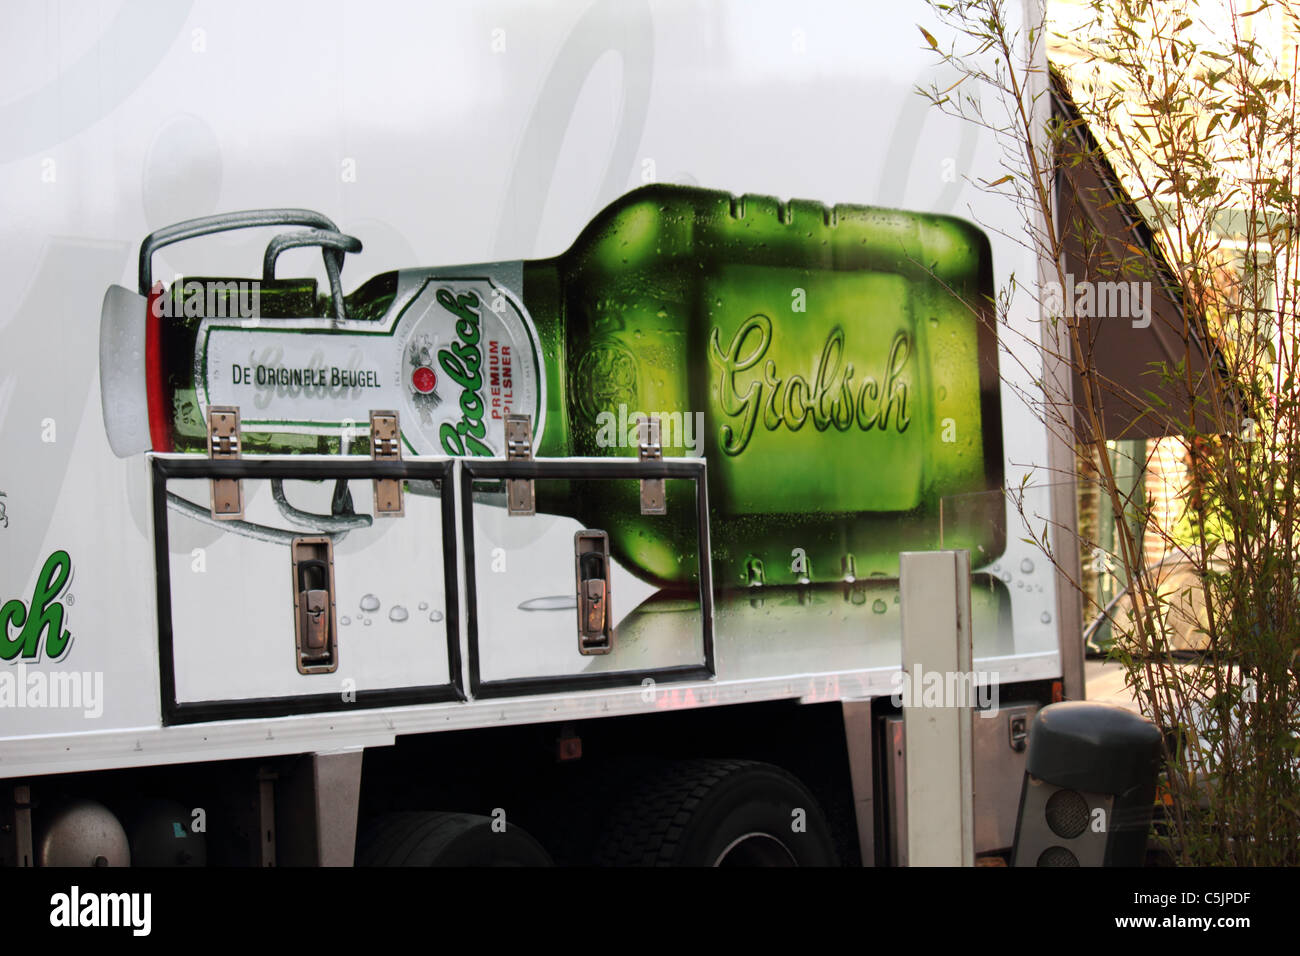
542	294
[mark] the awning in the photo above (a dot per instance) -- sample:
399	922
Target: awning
1125	297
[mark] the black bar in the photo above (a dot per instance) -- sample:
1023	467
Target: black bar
322	468
451	583
162	561
565	683
608	468
706	568
471	583
199	712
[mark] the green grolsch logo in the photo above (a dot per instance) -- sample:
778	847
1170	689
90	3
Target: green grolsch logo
462	362
829	400
43	615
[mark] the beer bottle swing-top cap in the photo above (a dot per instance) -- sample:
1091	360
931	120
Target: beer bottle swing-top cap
122	382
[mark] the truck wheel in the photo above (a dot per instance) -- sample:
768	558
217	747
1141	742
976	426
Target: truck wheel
446	839
718	813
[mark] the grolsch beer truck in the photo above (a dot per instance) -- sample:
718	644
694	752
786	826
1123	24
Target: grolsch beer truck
320	546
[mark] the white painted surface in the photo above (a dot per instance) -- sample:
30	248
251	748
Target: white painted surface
440	134
939	749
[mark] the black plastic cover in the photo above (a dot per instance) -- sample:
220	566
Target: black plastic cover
1098	748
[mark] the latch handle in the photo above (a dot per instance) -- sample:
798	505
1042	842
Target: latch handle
1018	729
315	630
595	620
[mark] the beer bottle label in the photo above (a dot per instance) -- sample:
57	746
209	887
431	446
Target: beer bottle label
456	354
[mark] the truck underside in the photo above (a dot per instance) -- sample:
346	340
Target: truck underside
768	784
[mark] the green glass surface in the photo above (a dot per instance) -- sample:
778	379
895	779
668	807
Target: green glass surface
842	361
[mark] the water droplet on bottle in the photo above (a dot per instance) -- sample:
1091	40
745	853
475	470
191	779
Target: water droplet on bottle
424	605
1026	566
398	613
943	393
1046	618
367	622
934	321
754	575
1005	576
370	603
345	620
435	616
878	606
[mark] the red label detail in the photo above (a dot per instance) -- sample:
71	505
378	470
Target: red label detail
160	409
424	380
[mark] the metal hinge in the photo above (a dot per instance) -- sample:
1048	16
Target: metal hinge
225	443
520	499
653	498
386	445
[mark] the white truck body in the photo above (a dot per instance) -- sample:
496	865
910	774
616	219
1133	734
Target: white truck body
439	134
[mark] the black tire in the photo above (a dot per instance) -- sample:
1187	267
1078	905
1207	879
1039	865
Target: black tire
446	839
718	813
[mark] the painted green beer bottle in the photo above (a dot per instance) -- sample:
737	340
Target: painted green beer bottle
837	368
